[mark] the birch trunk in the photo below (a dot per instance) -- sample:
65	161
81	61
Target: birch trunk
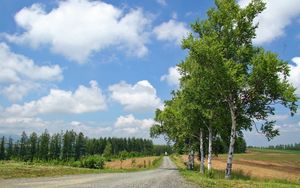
201	152
232	141
209	158
191	160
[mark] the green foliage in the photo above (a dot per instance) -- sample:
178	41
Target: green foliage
2	149
161	149
33	141
10	148
44	141
55	146
123	155
23	150
80	146
107	151
226	84
92	161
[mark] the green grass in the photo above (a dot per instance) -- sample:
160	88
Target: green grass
16	169
239	179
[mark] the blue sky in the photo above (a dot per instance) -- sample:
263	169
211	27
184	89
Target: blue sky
103	67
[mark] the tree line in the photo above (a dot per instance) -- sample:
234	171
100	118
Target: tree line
227	85
70	145
295	146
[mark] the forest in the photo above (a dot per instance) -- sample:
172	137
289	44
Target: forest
71	146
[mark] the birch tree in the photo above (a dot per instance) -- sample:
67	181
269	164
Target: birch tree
247	78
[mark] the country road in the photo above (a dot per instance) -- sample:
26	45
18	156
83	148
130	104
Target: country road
166	176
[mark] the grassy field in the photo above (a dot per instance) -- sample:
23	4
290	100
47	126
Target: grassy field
134	163
256	168
14	169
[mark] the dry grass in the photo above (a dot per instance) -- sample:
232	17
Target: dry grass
133	163
12	169
262	164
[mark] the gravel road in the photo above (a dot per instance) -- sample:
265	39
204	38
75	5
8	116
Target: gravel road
165	177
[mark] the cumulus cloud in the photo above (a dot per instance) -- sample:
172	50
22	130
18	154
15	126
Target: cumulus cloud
131	125
172	78
19	74
274	19
294	77
172	31
83	100
78	28
87	129
138	97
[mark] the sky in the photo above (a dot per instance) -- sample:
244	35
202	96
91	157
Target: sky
103	67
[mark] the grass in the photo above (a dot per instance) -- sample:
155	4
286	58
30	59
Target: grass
16	169
134	163
241	177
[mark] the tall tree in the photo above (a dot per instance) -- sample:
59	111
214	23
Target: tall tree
249	79
33	138
23	153
55	146
2	148
80	146
68	145
44	145
10	148
107	151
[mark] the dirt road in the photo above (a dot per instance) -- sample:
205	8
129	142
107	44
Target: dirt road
165	177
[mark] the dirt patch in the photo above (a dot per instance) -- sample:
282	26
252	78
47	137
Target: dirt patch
140	162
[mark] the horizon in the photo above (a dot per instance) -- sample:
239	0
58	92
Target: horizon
120	68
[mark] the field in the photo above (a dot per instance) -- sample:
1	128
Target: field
133	163
255	168
14	169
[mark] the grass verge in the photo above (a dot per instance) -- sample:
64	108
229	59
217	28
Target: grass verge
16	169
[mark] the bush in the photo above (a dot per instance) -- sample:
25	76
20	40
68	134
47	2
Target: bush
92	161
76	164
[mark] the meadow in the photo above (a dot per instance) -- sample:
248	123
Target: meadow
19	169
255	168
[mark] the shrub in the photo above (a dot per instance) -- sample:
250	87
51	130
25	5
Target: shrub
92	161
76	164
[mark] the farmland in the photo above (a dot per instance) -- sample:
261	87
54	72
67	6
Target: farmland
255	168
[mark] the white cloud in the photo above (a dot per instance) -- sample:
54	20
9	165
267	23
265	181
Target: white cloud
83	100
16	92
172	78
131	125
162	2
78	28
172	31
19	74
15	125
294	77
274	19
279	117
138	97
87	129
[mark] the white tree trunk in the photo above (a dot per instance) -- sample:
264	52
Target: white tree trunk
191	160
209	158
201	152
232	141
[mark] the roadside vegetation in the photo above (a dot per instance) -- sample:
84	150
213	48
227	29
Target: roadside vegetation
73	153
255	168
19	169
